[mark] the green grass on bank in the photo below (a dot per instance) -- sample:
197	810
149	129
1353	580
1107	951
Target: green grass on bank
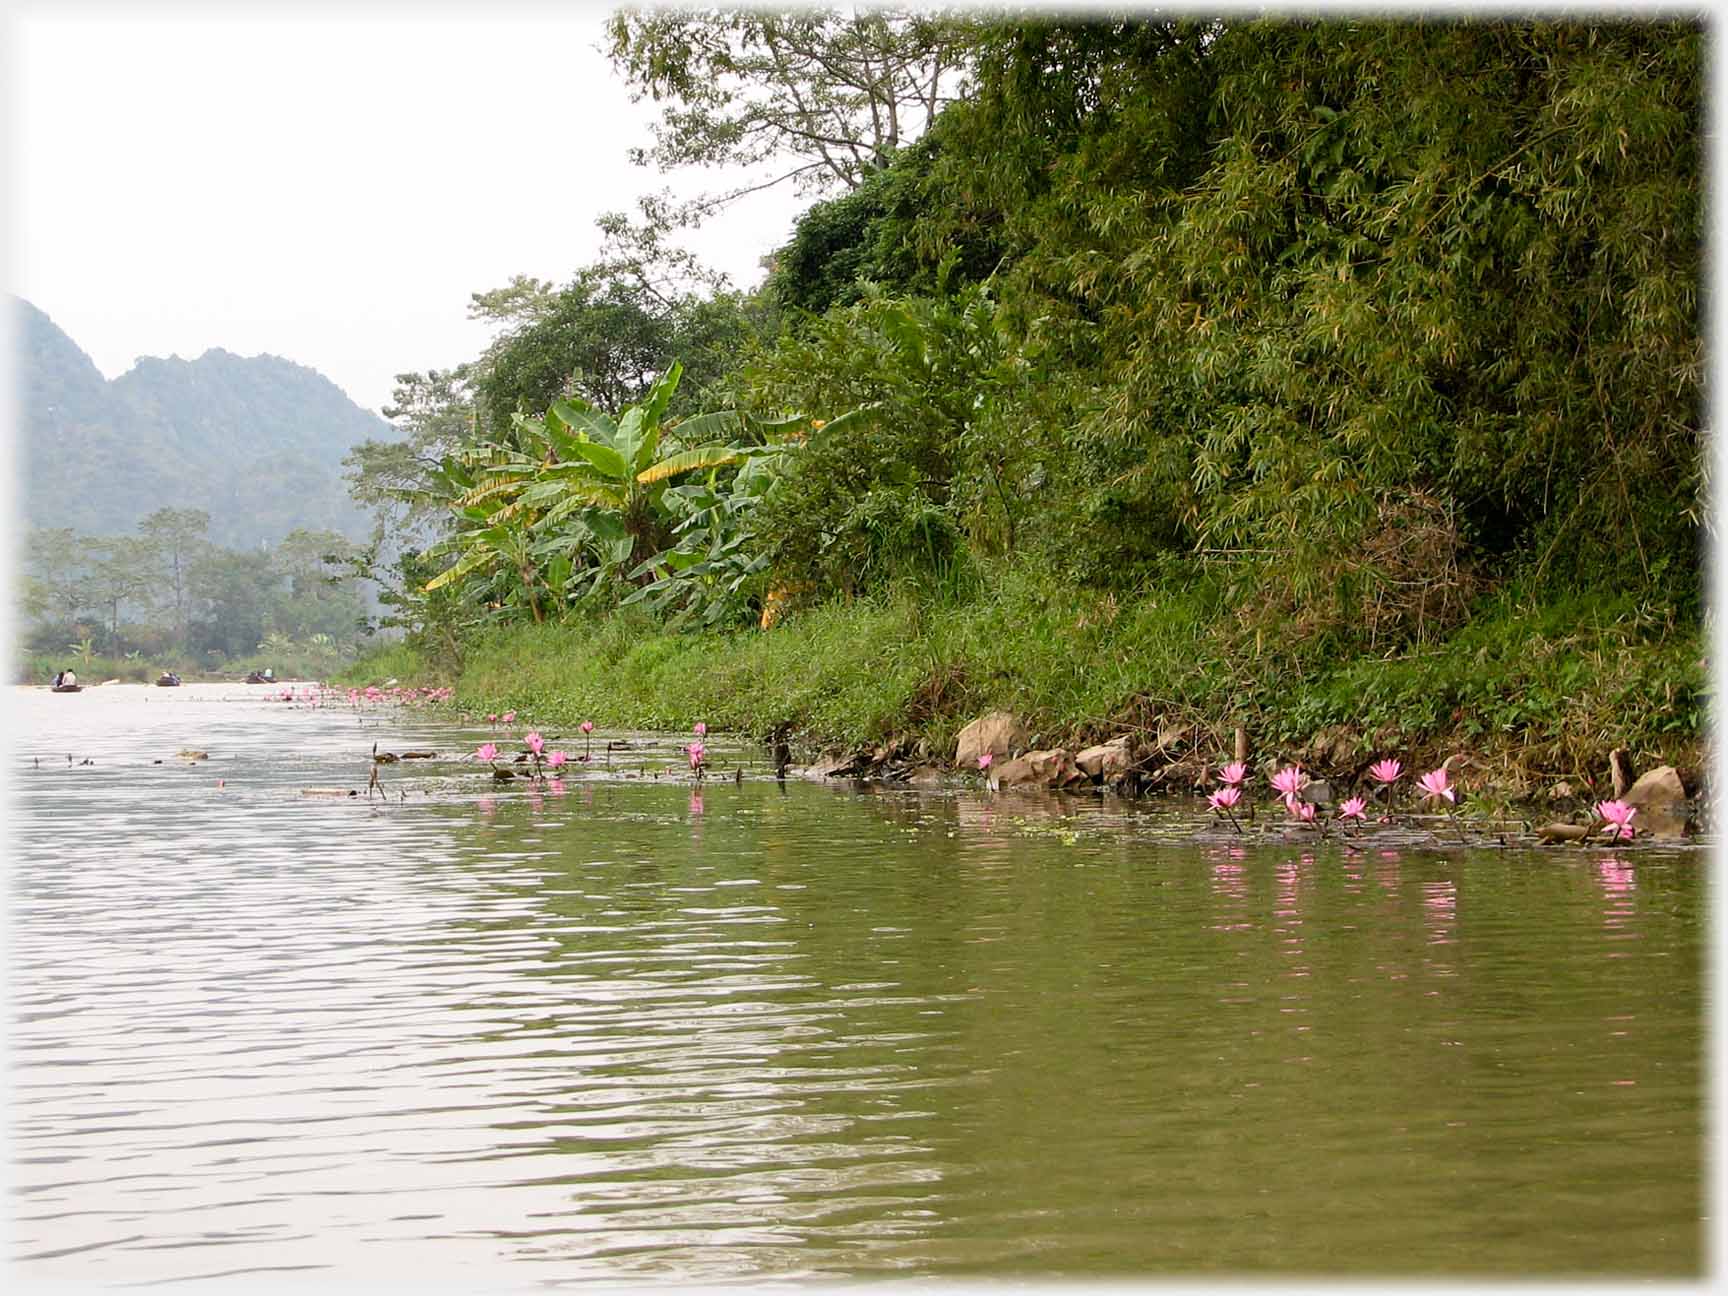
1545	689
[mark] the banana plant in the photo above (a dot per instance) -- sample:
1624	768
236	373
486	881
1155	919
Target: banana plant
579	502
714	573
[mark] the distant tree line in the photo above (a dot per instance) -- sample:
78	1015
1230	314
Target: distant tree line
167	594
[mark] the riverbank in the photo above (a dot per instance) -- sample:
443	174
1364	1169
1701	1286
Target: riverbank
1524	696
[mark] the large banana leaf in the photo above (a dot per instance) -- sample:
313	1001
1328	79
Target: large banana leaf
779	429
700	429
489	490
611	464
630	428
687	461
585	492
470	561
543	492
586	420
852	418
660	394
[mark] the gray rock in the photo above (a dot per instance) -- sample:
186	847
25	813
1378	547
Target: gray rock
1660	799
998	733
1108	762
1054	767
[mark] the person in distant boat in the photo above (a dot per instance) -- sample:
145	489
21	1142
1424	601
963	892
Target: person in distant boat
68	678
58	676
269	674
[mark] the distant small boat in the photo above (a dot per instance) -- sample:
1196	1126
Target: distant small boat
169	680
256	678
66	688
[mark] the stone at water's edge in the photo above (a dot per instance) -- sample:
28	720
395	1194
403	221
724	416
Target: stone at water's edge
1053	768
1109	761
998	733
1660	799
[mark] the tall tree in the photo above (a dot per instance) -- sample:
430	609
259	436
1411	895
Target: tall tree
398	479
234	593
321	597
829	94
54	563
121	572
176	538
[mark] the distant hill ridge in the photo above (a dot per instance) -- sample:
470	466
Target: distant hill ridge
257	442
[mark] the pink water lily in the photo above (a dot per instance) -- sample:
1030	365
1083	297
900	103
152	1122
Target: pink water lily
487	752
985	759
1223	799
491	717
700	729
1436	784
535	743
1290	781
1353	808
1619	818
1233	774
697	752
587	726
1300	809
1385	771
555	759
509	717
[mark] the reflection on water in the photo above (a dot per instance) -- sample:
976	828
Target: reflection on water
616	1027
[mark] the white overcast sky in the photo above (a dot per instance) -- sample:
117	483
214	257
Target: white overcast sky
323	183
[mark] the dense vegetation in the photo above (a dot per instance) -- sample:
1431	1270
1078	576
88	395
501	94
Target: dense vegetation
1296	374
131	606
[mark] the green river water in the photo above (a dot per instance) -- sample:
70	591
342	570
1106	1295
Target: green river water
619	1028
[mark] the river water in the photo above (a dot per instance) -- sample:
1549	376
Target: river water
617	1028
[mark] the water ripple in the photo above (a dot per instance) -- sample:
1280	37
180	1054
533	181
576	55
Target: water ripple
613	1031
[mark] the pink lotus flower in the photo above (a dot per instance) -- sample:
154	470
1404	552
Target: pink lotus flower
1290	780
1385	771
1223	799
555	759
700	729
487	752
587	726
1354	808
535	743
1435	784
1233	774
1619	817
985	759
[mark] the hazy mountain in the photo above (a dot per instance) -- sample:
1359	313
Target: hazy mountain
256	442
